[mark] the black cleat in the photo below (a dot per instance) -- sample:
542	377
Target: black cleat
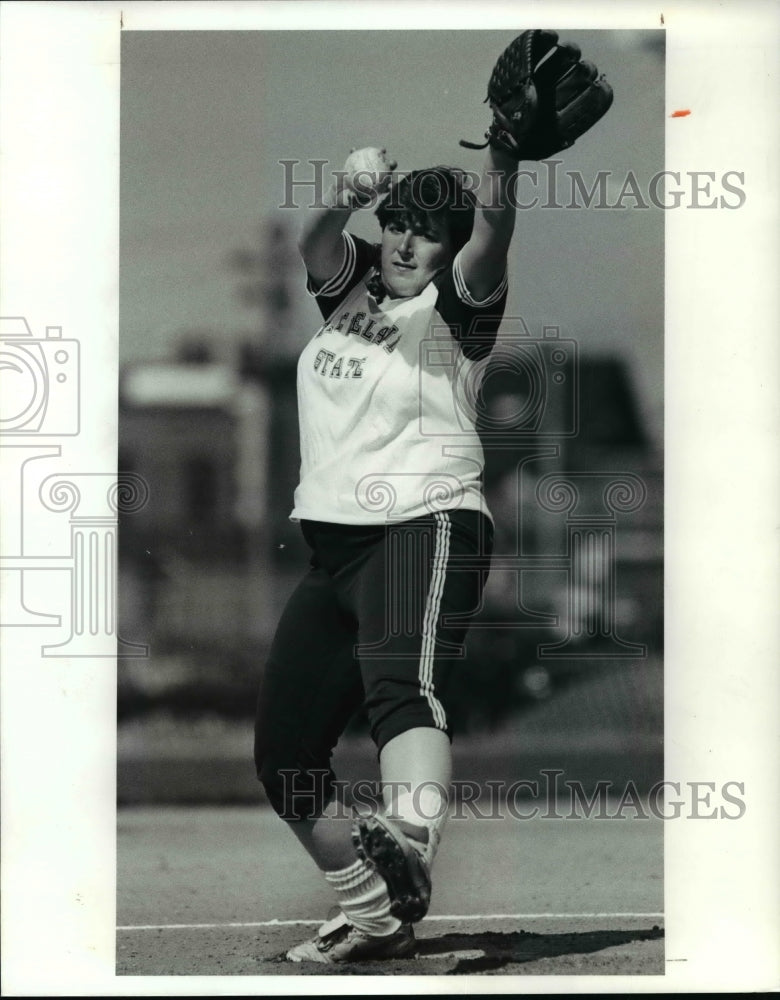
381	843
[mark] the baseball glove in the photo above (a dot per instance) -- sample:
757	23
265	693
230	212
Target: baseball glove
543	97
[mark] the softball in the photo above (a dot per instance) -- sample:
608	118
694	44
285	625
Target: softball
368	170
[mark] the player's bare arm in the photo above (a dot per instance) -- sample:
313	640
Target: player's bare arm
483	258
366	175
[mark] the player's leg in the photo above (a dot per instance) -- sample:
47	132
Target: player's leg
416	770
435	569
311	687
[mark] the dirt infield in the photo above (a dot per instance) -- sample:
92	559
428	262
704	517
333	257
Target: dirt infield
225	891
473	947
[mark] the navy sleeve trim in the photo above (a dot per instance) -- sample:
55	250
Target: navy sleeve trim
474	324
334	285
465	295
359	257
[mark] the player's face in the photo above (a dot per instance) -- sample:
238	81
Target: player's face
411	257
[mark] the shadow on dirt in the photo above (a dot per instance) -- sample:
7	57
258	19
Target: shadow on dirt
481	953
500	949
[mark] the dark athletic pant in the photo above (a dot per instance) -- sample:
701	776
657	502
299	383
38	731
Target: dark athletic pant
373	623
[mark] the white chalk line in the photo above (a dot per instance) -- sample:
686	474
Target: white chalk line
444	918
469	953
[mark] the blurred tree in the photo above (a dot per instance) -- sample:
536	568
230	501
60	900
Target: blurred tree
264	281
196	347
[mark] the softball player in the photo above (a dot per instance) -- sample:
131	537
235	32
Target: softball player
390	495
391	504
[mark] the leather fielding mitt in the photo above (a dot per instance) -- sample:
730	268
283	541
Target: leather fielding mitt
543	97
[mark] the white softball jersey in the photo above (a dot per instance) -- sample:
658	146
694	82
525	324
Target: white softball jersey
387	394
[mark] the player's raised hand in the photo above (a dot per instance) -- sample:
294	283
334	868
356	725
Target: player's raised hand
368	173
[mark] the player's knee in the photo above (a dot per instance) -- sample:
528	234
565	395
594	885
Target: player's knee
293	792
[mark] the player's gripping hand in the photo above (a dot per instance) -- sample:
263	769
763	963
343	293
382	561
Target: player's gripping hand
366	177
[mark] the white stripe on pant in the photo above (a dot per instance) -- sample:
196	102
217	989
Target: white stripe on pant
430	621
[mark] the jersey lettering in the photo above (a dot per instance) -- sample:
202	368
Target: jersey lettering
357	324
326	364
357	319
366	333
384	333
322	360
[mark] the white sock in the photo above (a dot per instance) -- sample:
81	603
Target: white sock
427	809
362	895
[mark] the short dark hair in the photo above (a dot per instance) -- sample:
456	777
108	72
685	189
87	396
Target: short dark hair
436	193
